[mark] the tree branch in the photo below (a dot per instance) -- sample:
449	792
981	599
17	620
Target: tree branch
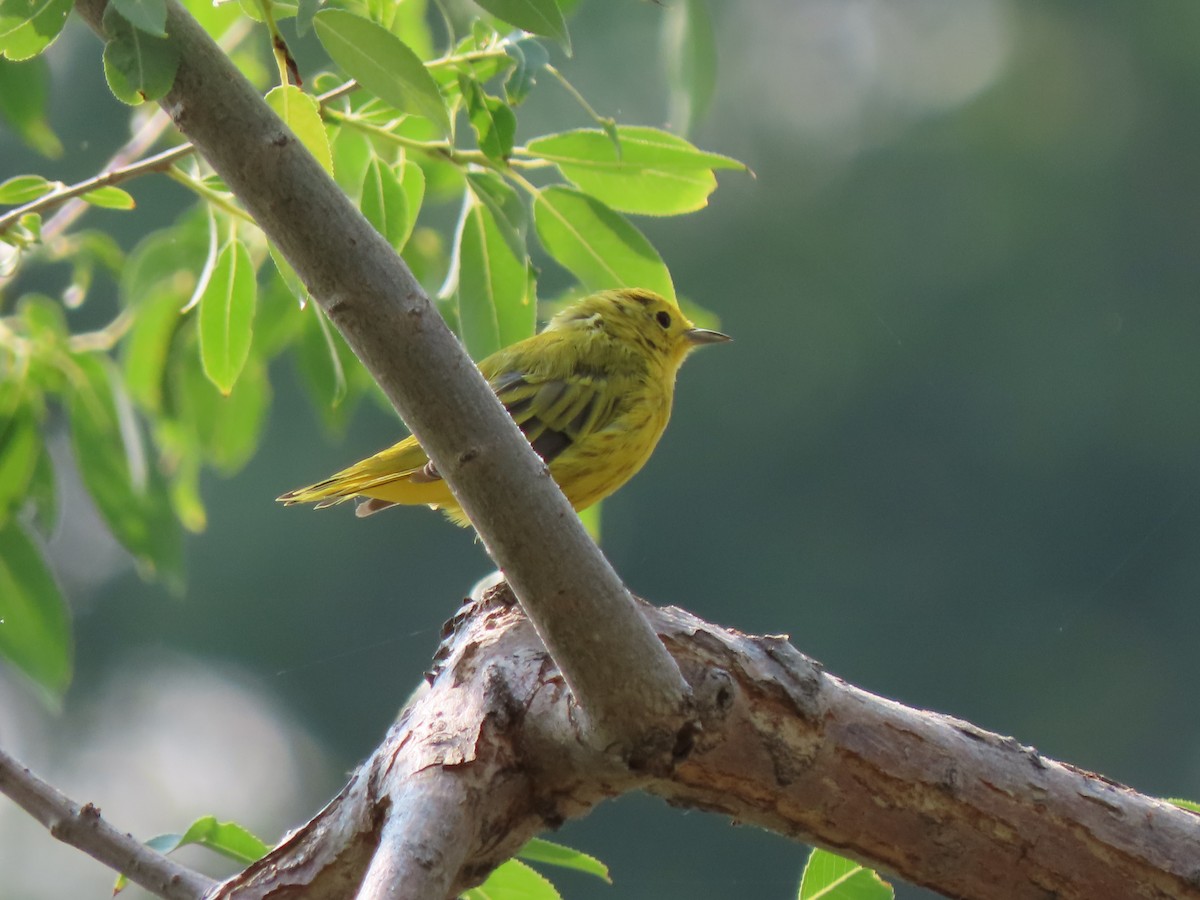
421	856
123	166
626	683
82	827
159	162
784	745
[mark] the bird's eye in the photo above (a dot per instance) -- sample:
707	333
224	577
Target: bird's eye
663	318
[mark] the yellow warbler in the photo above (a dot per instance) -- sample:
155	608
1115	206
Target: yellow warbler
592	393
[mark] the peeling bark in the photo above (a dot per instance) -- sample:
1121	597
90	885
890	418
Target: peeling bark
492	754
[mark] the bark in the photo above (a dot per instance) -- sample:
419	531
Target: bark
782	745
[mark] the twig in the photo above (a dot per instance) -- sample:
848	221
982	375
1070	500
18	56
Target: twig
121	168
117	171
441	149
160	162
103	339
82	827
605	122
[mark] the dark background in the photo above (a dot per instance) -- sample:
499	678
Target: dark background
952	452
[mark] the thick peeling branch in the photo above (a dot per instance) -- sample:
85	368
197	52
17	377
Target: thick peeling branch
783	745
624	679
489	755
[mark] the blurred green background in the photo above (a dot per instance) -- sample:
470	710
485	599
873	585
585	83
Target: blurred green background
953	451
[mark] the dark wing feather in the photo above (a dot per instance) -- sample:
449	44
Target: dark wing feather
555	413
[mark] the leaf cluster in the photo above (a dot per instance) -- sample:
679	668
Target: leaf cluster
413	121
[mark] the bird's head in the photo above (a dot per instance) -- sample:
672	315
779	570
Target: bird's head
641	318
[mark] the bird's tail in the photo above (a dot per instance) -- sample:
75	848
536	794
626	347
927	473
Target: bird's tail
397	475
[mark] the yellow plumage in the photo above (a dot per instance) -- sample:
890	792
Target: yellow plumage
592	392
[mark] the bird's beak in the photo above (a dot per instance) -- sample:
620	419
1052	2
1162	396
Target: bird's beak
698	336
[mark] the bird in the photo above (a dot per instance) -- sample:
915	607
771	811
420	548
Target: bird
591	391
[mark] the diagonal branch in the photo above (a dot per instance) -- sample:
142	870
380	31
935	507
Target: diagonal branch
628	687
82	827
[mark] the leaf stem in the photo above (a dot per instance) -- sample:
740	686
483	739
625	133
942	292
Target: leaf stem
203	190
441	149
103	339
469	56
605	122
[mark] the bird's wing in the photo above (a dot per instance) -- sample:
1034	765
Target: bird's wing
555	412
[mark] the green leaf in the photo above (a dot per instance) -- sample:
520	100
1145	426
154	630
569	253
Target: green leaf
288	275
412	182
690	56
127	488
35	631
24	88
596	245
145	350
305	10
24	188
426	255
225	428
27	27
280	9
535	16
185	495
531	60
302	114
43	494
1191	805
496	305
230	839
227	838
278	318
45	320
20	449
508	212
656	173
494	123
385	204
168	259
110	198
550	853
411	19
149	16
28	230
217	19
323	359
830	877
138	66
227	316
352	153
382	64
513	880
